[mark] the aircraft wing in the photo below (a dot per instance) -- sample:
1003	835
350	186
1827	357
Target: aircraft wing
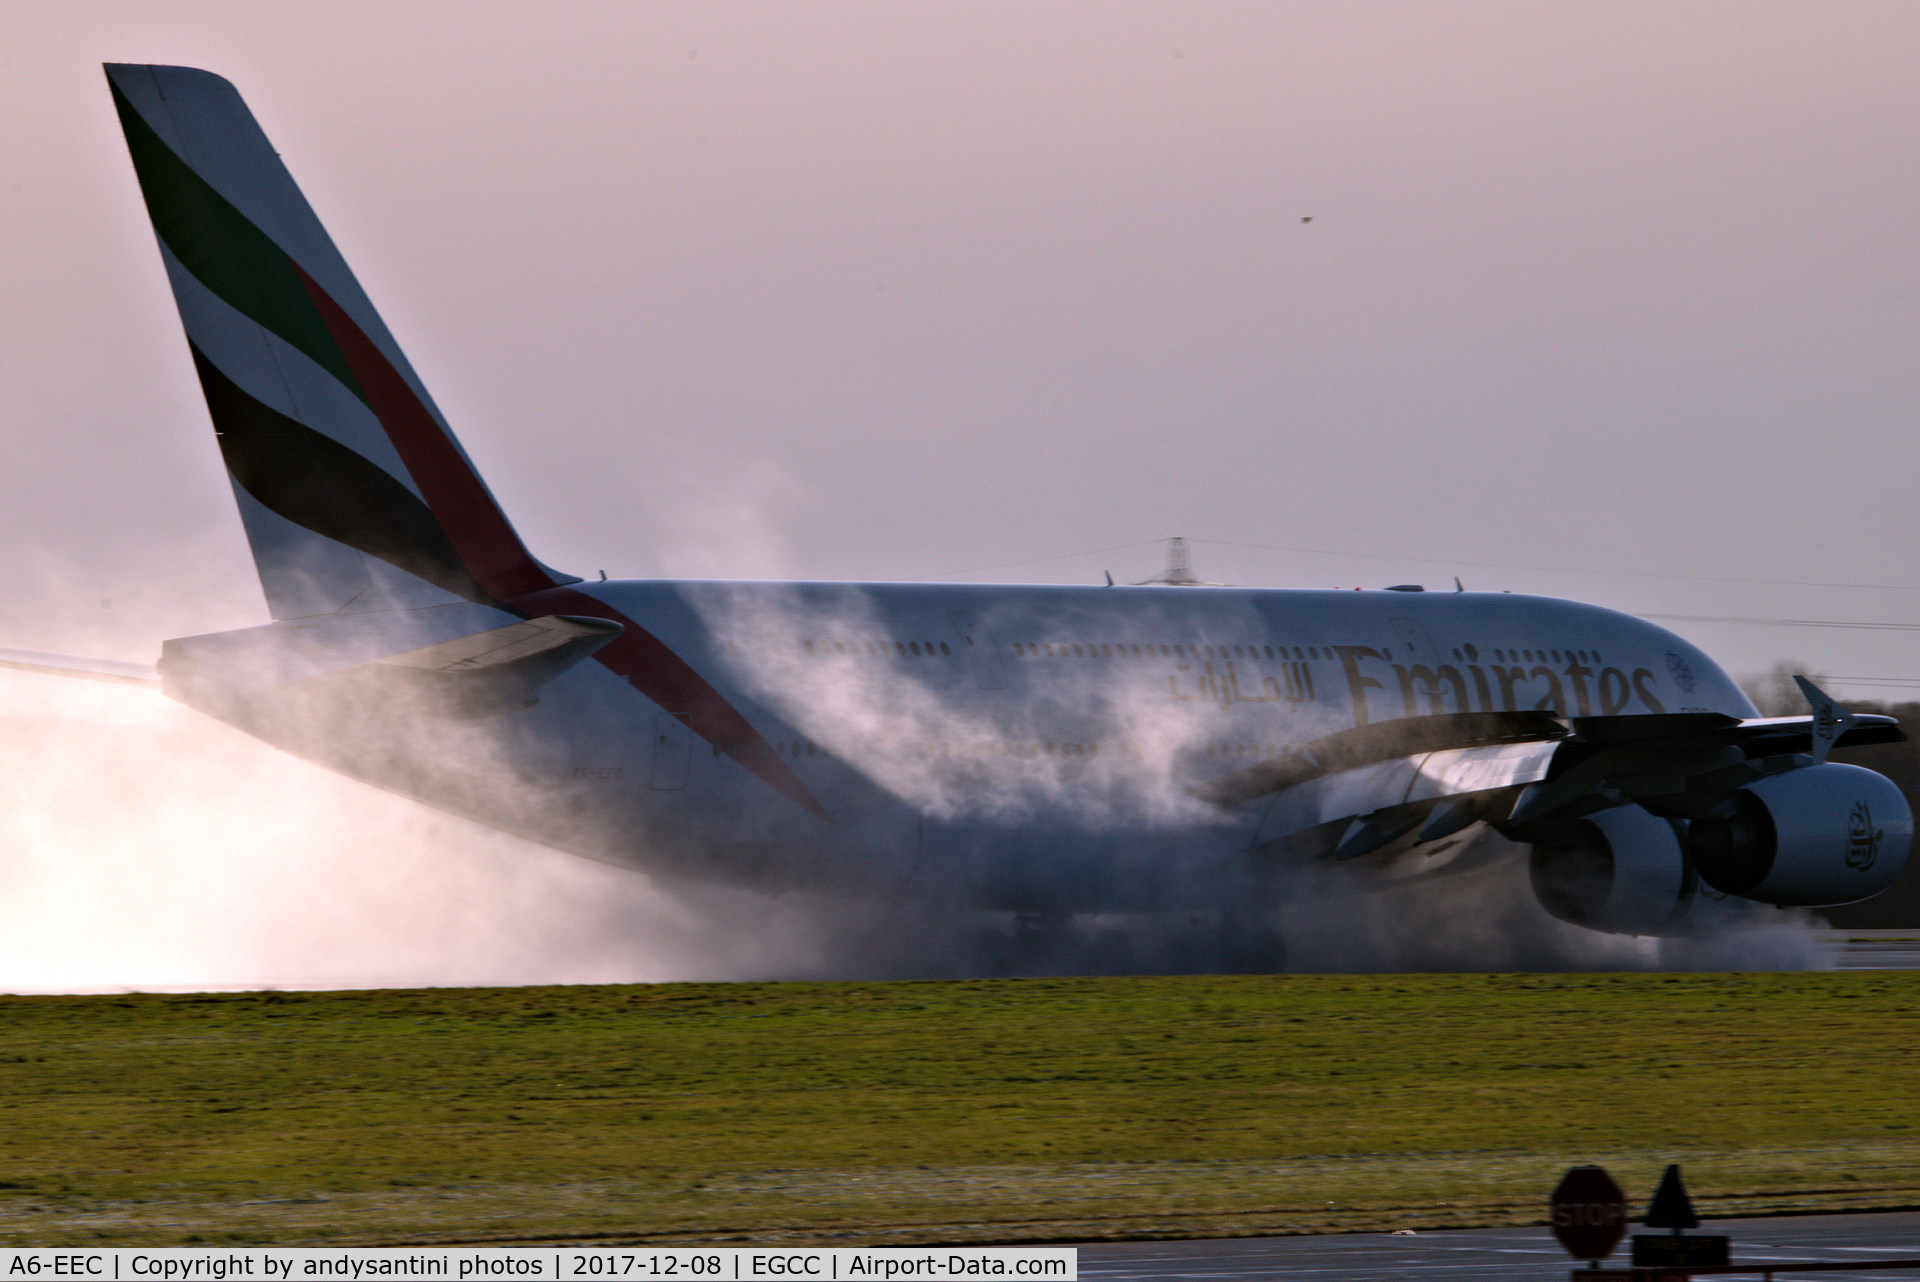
67	665
1353	792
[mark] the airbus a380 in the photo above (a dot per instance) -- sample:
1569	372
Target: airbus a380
1046	750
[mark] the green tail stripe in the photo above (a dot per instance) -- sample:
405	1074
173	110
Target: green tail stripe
223	249
320	485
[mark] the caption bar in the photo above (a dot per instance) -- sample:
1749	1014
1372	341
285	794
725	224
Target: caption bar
683	1264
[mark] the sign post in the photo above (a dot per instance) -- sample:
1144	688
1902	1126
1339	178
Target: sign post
1589	1213
1672	1209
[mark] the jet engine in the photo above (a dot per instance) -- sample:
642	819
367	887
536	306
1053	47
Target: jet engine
1621	870
1825	834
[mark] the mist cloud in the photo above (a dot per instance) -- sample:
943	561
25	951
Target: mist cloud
144	845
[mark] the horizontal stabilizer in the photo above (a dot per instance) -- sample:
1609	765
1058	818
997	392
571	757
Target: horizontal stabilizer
484	674
67	665
564	637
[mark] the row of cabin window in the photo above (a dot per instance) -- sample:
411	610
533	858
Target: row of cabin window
876	647
1263	751
1278	654
1031	749
806	747
791	748
1532	656
1108	650
1036	748
1128	649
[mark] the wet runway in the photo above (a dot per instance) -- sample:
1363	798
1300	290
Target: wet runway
1493	1255
1873	949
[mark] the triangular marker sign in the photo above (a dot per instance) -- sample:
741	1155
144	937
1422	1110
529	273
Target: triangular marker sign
1671	1208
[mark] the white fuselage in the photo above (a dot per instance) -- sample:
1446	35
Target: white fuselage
1027	748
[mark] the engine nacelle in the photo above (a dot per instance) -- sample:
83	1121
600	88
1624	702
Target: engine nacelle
1621	870
1826	834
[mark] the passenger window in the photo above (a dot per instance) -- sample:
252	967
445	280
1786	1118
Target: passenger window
1106	650
913	647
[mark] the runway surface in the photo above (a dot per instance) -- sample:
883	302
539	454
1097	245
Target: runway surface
1494	1255
1873	949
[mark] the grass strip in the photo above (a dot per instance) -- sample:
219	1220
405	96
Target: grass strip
1000	1110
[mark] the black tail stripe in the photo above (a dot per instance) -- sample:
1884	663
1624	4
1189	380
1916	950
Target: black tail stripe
323	486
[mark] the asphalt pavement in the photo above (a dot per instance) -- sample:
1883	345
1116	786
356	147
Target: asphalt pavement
1495	1255
1873	949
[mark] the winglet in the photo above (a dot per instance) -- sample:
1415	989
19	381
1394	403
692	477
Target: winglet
1830	720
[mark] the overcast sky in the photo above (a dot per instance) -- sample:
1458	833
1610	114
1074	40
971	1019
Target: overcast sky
1615	302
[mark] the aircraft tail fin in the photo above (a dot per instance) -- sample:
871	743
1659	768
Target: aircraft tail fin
354	492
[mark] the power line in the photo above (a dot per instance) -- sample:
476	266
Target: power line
1844	624
1786	623
1038	560
1562	569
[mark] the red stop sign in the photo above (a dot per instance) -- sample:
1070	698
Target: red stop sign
1589	1213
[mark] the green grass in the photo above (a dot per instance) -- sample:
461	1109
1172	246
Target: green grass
986	1111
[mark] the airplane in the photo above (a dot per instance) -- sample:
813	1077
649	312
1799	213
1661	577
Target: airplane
1165	748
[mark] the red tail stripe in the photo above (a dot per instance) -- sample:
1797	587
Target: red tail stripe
473	522
500	563
667	679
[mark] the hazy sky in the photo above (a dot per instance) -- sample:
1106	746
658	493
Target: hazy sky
1615	302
